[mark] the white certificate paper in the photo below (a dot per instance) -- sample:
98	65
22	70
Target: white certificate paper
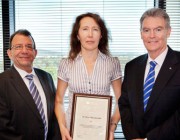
90	117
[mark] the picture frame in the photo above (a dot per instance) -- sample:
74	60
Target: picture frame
91	115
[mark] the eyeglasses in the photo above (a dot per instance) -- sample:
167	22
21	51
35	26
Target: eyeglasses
156	31
20	47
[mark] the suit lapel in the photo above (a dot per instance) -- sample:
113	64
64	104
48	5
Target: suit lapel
165	73
23	91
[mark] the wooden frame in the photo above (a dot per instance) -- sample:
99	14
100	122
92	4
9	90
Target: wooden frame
90	117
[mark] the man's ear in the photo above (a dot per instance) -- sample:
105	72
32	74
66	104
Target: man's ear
9	53
168	32
35	53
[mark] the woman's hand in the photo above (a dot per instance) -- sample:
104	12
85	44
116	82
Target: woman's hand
65	134
112	130
111	135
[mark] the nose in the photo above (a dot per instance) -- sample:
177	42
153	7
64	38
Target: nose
152	33
90	33
24	49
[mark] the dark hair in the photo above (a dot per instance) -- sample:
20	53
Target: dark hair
21	32
155	12
75	43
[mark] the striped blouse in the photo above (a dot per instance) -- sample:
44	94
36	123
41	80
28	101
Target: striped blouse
106	70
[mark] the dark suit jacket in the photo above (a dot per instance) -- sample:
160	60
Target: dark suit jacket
161	120
19	116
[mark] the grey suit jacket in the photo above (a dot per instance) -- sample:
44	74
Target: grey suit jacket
161	120
19	117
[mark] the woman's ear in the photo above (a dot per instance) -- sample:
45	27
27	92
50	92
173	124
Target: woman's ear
77	37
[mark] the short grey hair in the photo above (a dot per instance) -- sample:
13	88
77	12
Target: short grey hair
155	12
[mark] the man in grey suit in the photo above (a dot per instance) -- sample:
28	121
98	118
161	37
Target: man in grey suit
22	117
150	102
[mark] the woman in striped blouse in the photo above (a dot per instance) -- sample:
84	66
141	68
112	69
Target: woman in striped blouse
88	69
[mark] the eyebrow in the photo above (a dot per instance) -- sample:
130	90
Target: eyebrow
153	28
25	44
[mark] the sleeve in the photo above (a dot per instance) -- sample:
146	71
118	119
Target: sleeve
127	123
53	127
63	69
7	131
116	69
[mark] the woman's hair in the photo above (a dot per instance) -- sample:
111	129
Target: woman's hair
155	12
75	43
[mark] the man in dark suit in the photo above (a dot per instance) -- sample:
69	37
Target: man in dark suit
21	118
157	116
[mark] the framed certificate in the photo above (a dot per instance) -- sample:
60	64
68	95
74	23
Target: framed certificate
90	117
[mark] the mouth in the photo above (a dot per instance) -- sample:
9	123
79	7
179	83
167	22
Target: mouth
89	42
24	57
152	42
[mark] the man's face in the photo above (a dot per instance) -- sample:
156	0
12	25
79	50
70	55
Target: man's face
22	52
154	34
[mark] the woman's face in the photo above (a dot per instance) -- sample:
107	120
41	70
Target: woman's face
89	34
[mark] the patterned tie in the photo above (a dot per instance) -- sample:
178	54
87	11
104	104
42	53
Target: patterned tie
37	99
149	82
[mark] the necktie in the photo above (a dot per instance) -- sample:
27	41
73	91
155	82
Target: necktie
37	99
149	82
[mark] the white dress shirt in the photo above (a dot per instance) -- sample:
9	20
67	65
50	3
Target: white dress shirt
159	60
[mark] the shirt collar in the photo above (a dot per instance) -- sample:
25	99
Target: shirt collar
100	55
160	59
24	73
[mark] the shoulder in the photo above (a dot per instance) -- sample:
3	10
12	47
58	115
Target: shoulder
6	77
138	59
42	73
4	74
176	53
113	63
65	62
172	56
114	59
109	58
137	62
7	73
